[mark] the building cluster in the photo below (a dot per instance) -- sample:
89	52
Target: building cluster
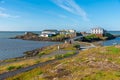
100	32
51	32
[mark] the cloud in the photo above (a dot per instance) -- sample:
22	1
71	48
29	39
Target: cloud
5	15
71	6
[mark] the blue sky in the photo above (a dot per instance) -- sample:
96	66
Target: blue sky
81	15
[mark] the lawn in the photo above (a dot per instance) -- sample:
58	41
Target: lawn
101	63
14	64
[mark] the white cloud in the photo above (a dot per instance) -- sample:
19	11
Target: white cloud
5	15
71	6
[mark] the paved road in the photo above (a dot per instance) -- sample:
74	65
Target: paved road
18	71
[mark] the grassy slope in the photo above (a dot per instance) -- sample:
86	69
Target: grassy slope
102	63
34	60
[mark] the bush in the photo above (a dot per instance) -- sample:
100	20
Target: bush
77	46
91	37
18	67
41	53
68	54
11	68
58	56
64	55
39	73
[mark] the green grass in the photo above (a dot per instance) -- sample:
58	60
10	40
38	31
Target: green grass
103	75
41	53
30	75
90	64
20	63
91	36
112	50
60	56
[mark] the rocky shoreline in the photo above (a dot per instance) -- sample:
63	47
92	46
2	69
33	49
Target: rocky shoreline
27	54
35	37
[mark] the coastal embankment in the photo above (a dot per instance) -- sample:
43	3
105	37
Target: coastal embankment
36	37
50	52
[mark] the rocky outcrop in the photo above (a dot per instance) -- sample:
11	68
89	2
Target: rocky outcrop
27	36
35	37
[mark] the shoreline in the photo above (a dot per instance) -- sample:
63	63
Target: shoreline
24	56
33	53
96	43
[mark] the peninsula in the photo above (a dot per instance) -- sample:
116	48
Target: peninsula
96	34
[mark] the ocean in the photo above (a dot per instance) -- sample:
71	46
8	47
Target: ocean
113	41
11	48
114	32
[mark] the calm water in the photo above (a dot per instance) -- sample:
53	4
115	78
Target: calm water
111	42
114	32
10	48
4	34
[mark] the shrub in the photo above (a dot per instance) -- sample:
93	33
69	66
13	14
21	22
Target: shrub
58	56
77	46
39	73
36	62
91	37
11	68
41	53
18	67
68	54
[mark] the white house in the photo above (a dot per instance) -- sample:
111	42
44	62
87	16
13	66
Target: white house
49	33
98	31
45	35
71	31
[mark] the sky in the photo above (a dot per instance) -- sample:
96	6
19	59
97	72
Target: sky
37	15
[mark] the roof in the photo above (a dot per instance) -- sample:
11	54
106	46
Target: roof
98	28
51	30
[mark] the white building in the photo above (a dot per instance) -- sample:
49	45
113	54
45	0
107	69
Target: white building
98	31
49	33
71	31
